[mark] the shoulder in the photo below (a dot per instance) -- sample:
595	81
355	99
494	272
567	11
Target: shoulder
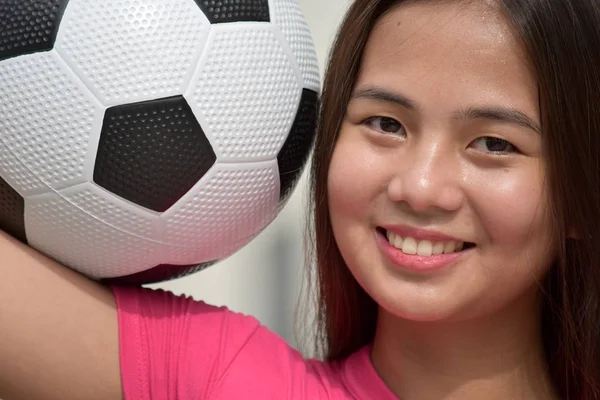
172	343
176	347
156	314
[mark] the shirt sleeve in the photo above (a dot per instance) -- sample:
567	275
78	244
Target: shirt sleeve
173	347
176	348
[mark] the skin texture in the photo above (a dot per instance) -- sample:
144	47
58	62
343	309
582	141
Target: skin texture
471	330
62	341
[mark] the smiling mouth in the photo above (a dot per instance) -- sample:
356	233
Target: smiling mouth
425	248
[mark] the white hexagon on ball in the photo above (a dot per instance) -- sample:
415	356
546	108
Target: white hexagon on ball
63	231
150	51
49	124
288	17
213	220
245	92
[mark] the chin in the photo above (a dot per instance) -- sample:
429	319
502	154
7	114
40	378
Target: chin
431	301
410	305
421	313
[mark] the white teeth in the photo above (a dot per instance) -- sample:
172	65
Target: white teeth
409	246
438	248
424	248
398	241
395	240
449	247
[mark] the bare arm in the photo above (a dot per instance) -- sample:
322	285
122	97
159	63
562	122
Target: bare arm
58	330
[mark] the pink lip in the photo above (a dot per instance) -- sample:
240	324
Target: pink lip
420	234
415	262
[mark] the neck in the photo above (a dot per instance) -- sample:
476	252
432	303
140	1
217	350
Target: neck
496	357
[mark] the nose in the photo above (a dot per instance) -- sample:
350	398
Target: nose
428	178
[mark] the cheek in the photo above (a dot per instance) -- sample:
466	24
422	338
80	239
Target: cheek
339	190
353	179
513	208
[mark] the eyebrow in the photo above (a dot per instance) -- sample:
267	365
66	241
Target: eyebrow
500	114
377	93
495	113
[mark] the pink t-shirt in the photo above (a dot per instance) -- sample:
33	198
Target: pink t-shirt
176	348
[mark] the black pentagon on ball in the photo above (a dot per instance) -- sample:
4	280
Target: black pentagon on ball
296	149
223	11
158	274
29	26
152	153
12	212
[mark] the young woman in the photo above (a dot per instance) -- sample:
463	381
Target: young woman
455	219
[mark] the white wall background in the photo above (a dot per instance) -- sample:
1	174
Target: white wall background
264	278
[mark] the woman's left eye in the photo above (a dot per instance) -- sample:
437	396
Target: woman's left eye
490	144
385	125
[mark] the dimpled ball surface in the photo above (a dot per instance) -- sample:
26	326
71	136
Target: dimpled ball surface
144	140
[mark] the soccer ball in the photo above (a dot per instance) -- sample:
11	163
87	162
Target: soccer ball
143	140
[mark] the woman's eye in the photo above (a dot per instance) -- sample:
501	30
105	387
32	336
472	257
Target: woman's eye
489	144
385	125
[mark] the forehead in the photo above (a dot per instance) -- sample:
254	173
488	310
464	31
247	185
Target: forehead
463	49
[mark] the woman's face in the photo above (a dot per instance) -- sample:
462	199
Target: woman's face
436	185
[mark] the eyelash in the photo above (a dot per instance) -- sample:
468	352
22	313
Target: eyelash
512	148
371	120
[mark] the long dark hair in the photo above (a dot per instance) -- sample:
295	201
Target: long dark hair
563	41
